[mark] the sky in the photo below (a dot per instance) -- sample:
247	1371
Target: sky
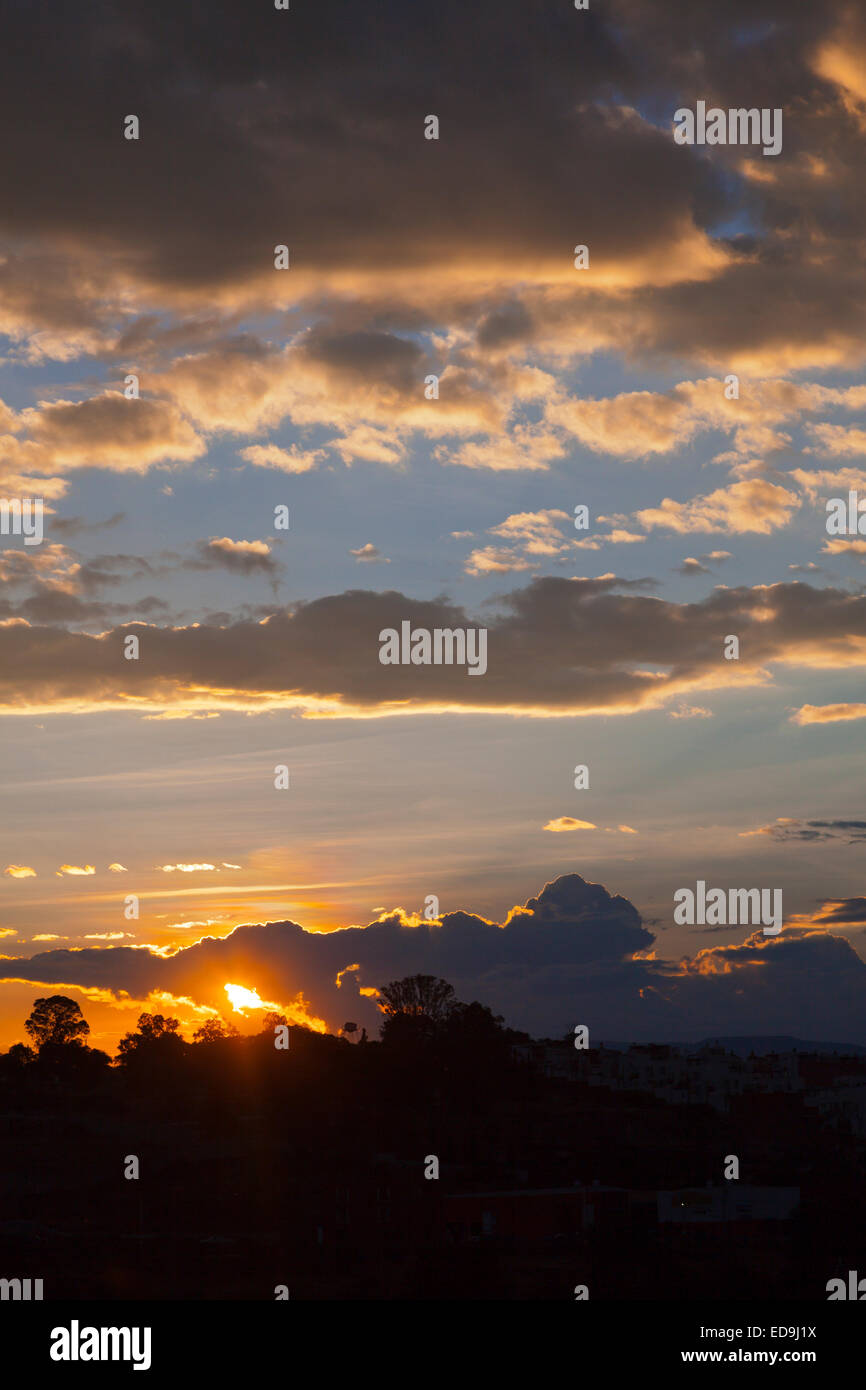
696	384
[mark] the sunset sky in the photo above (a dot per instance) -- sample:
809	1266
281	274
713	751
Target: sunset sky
558	387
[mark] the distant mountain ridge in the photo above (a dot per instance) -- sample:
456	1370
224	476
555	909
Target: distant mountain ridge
759	1045
780	1043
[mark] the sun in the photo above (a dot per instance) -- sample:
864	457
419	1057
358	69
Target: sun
242	999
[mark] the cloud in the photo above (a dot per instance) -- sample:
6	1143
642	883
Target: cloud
638	424
569	823
117	869
842	912
75	870
19	871
291	460
748	506
838	546
576	951
519	451
540	532
186	868
570	924
690	712
78	526
534	538
105	431
828	714
370	444
787	828
694	566
820	480
189	926
97	268
238	557
839	440
369	554
556	646
492	559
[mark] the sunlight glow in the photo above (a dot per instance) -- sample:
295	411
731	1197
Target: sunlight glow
243	999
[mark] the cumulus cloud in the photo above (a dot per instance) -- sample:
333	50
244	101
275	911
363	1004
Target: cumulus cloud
574	951
493	559
842	441
691	566
105	431
238	557
638	424
754	505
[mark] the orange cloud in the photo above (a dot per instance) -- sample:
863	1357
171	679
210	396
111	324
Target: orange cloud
748	506
828	714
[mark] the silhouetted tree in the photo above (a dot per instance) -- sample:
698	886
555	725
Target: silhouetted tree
272	1020
156	1035
419	996
57	1022
215	1030
416	1009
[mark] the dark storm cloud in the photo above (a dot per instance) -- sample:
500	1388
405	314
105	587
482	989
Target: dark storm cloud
306	122
557	645
306	127
567	957
572	923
